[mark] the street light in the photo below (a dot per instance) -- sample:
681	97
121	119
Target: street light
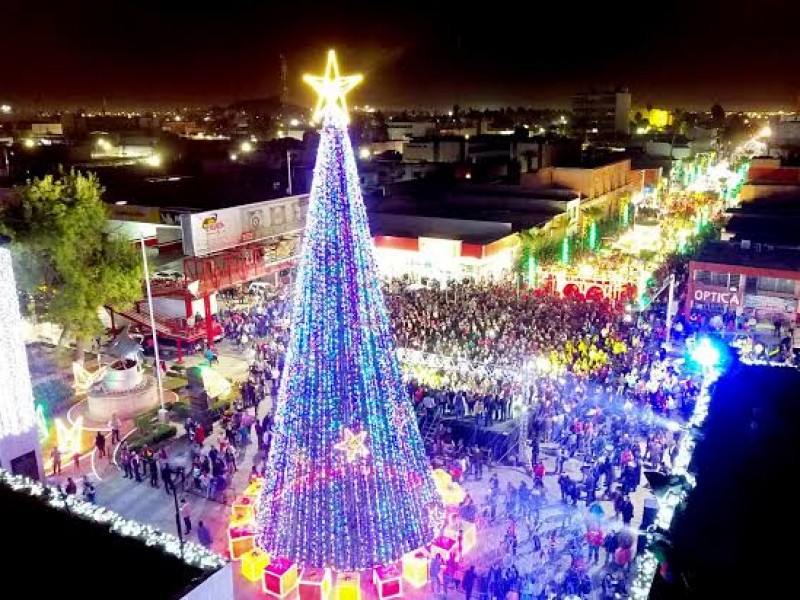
246	147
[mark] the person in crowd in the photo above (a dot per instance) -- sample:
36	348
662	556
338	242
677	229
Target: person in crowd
204	535
186	515
100	444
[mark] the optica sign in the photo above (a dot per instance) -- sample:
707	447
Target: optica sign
731	299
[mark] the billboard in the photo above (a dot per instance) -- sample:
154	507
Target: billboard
218	230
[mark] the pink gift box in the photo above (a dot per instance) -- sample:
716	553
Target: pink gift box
280	577
315	584
389	581
445	547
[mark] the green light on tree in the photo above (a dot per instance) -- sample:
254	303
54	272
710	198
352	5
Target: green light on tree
592	241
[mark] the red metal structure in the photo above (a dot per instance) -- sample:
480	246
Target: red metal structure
203	277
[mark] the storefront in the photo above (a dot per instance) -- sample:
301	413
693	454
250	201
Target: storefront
444	259
716	301
762	291
770	309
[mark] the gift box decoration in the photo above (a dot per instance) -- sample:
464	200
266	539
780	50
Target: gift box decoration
415	567
241	539
280	577
445	547
348	586
315	584
253	564
388	579
253	488
244	509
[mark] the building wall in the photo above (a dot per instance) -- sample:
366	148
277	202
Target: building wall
591	183
743	296
434	150
623	108
405	130
609	110
217	587
750	192
444	259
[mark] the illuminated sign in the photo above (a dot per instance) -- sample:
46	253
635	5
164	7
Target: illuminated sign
731	299
208	232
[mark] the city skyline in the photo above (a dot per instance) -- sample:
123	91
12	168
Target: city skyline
421	57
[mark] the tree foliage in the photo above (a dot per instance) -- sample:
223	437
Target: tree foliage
64	253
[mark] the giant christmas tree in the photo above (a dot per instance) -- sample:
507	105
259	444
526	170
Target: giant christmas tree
348	483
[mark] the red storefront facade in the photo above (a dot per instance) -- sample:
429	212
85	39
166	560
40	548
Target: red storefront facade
766	294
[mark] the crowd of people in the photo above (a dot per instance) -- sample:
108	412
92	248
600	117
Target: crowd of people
591	388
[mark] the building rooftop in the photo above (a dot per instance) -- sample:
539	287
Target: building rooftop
87	549
757	256
772	220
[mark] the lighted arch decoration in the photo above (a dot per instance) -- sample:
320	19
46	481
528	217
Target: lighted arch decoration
571	284
595	293
571	290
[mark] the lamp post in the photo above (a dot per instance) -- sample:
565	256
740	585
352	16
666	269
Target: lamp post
289	172
162	413
670	296
178	523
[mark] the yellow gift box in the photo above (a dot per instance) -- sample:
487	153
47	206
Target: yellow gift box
415	567
348	586
253	563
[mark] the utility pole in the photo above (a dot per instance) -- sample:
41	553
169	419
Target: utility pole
162	414
670	296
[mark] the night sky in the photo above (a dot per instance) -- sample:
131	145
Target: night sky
740	53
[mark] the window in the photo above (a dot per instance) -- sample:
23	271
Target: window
726	280
702	277
776	285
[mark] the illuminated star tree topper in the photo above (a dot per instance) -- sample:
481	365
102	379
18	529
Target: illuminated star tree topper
331	89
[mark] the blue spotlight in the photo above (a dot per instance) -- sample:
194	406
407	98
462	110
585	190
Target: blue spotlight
706	354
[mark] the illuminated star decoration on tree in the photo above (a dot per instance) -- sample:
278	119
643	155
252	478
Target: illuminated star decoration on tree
353	445
332	88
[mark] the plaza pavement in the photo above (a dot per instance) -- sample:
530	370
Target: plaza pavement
141	502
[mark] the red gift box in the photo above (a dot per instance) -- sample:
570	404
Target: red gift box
389	581
280	577
315	584
445	547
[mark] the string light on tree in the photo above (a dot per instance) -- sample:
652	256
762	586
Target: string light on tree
363	495
17	413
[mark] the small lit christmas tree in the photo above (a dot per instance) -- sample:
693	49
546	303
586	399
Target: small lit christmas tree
348	483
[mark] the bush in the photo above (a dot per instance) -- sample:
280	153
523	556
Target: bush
180	410
163	432
146	421
158	434
219	407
